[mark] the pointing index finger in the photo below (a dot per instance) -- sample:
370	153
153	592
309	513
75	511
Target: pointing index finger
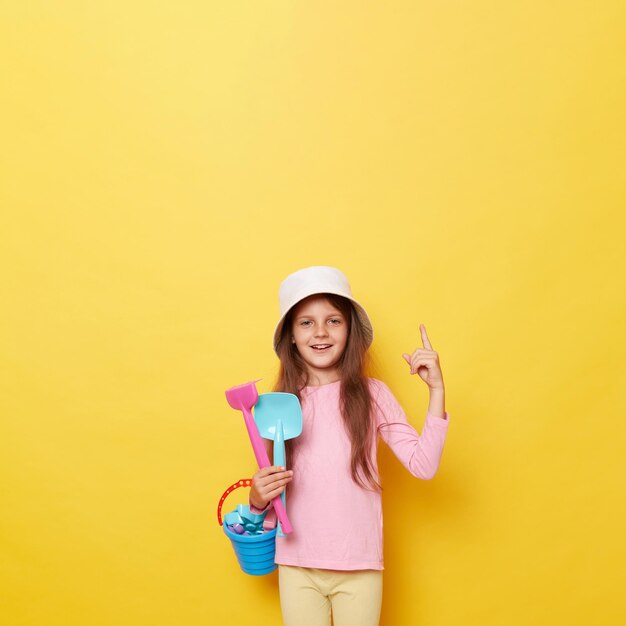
425	339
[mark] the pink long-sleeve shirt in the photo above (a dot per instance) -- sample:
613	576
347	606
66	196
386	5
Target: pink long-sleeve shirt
337	524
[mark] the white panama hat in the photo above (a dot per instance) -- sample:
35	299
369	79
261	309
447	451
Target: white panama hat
313	280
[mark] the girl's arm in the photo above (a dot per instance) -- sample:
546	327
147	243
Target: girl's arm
437	403
420	454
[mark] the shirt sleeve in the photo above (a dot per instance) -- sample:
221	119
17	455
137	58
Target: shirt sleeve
420	454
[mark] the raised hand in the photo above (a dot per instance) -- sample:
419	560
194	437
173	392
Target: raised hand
425	362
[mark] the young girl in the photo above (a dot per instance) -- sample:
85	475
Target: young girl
333	559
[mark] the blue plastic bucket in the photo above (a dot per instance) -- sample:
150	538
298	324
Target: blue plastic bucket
255	553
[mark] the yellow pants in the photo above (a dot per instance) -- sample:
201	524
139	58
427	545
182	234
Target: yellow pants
308	596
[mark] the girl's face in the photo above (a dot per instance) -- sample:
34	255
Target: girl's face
320	332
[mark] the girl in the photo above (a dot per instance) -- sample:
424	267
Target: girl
332	562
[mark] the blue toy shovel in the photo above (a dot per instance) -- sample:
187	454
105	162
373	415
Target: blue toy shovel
278	417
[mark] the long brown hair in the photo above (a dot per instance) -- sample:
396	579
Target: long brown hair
355	398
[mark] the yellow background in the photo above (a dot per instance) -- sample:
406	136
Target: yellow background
165	165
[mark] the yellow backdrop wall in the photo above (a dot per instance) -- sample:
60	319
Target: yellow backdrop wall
165	165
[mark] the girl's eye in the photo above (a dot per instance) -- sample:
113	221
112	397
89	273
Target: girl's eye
335	321
305	322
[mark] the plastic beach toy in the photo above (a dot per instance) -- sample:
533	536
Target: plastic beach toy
255	552
278	417
242	518
243	398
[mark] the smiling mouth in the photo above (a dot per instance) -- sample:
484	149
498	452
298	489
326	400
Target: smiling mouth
321	347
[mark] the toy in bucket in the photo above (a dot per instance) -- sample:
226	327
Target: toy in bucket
252	537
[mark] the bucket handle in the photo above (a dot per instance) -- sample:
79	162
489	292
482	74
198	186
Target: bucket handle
243	482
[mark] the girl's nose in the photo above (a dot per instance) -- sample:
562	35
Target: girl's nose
321	330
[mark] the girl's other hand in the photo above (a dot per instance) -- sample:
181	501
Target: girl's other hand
268	483
425	362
